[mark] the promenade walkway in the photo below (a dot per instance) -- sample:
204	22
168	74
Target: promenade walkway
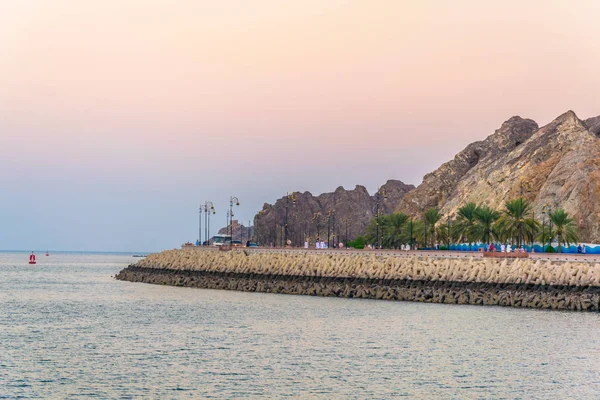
593	258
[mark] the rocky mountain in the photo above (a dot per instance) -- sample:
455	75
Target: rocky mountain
342	212
557	165
593	125
240	232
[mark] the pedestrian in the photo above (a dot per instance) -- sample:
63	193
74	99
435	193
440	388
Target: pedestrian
583	249
502	248
579	248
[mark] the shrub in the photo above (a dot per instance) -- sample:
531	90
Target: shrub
358	243
550	249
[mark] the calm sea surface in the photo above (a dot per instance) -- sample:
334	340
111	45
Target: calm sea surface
69	330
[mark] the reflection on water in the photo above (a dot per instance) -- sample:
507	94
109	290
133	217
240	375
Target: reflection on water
68	329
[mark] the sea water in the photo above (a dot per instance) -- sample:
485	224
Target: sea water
68	329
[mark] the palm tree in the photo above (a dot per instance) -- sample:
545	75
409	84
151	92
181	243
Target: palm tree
418	232
484	230
431	217
465	222
395	230
443	233
564	227
514	224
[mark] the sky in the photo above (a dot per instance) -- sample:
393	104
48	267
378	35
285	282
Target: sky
119	117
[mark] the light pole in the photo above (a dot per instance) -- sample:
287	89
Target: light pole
525	186
209	208
228	224
330	215
257	232
346	240
546	208
378	239
333	230
200	225
288	197
449	233
232	201
411	232
378	198
317	217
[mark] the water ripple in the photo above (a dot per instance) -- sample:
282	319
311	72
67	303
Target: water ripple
68	330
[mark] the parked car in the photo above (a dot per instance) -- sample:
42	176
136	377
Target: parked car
251	244
236	243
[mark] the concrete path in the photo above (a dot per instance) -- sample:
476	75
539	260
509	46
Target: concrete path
421	253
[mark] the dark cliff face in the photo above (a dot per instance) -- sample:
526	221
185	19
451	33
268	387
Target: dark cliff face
310	216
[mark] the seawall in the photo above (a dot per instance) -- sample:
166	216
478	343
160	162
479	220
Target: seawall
514	283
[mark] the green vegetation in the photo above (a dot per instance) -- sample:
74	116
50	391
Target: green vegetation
565	228
516	223
474	223
463	229
431	218
358	243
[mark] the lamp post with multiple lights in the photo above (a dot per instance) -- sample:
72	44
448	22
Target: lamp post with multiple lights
232	201
209	208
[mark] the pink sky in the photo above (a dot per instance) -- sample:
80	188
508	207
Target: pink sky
120	95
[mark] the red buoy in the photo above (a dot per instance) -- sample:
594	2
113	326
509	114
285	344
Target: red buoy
32	258
47	254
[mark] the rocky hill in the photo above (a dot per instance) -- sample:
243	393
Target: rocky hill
240	232
558	164
339	212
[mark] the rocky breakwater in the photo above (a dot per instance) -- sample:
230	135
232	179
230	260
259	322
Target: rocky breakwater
514	283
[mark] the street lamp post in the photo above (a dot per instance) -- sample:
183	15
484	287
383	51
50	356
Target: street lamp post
288	197
209	208
378	197
411	233
317	217
232	201
525	187
449	233
546	208
346	240
228	225
330	215
200	225
333	230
